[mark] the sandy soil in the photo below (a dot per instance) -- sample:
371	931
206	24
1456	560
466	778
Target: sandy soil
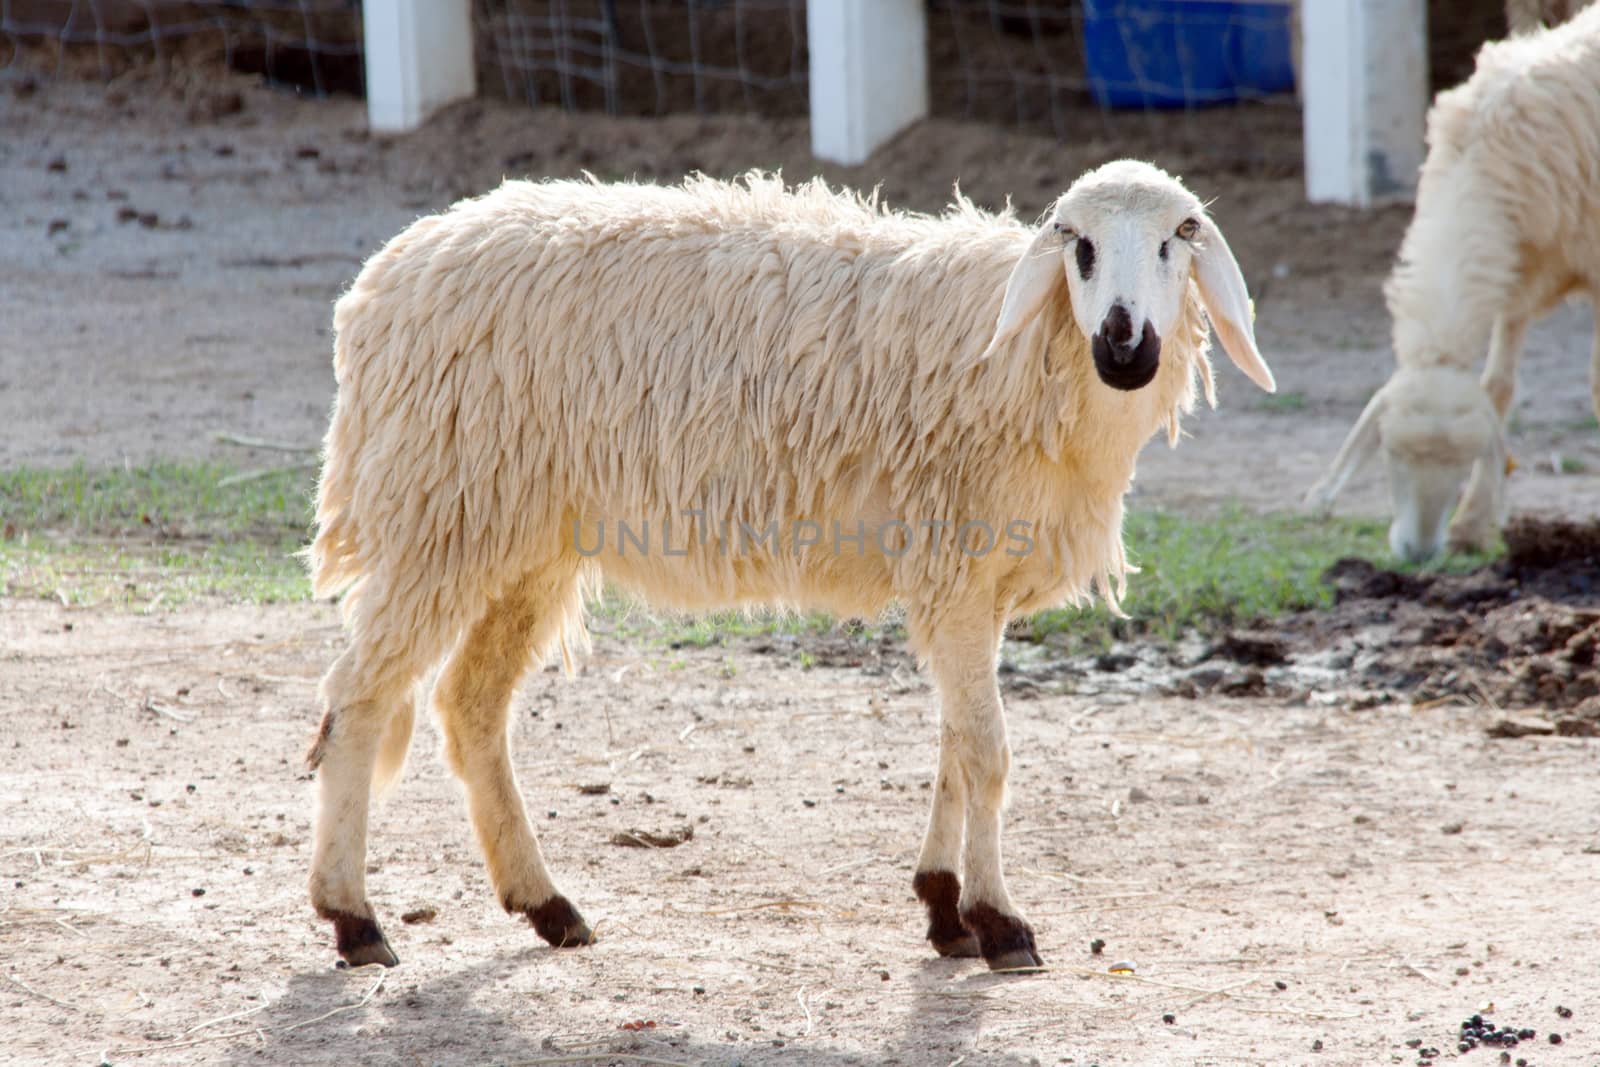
1393	867
1379	855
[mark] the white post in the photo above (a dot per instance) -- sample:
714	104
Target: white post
869	73
1365	89
418	58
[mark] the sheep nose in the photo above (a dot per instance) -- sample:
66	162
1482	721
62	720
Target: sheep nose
1123	360
1117	334
1116	344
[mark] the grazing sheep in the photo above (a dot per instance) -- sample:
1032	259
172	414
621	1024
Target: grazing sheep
801	399
1507	224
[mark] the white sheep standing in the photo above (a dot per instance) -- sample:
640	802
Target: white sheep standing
1507	224
812	389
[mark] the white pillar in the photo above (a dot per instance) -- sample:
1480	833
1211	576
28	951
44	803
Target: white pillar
869	73
1365	88
418	58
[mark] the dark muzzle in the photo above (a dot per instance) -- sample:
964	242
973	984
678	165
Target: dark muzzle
1121	362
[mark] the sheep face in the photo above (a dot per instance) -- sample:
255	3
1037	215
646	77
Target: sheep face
1128	239
1432	425
1127	273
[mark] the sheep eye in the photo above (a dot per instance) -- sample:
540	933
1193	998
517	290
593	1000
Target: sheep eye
1188	228
1085	253
1065	232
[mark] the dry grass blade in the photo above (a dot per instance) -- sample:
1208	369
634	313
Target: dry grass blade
227	1018
762	907
264	472
800	995
32	992
1420	973
1200	991
244	441
156	708
331	1012
135	1050
1224	991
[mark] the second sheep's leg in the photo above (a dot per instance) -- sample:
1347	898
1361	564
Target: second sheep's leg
963	657
1505	355
473	700
1477	516
1594	362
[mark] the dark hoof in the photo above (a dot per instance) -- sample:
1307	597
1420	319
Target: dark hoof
559	923
940	891
1011	961
964	947
1005	940
360	940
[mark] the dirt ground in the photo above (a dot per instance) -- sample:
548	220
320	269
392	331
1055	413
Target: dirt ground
1308	841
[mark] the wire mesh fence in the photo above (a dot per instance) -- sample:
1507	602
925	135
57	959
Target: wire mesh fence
1210	75
646	57
1201	75
310	45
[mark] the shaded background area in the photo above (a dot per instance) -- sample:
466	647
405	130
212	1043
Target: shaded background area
1018	63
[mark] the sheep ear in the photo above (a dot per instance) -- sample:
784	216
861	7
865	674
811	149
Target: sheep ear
1227	302
1358	447
1032	280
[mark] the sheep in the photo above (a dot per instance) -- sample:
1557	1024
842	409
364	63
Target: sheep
771	370
1507	224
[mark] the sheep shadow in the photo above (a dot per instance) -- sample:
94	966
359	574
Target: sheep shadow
321	1018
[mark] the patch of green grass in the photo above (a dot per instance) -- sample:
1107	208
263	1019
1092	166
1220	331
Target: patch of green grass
168	534
1282	403
1209	573
158	535
626	616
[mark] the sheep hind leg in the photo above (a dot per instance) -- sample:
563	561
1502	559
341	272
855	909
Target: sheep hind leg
936	884
963	661
473	699
345	753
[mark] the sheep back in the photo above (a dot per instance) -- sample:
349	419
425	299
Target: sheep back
553	356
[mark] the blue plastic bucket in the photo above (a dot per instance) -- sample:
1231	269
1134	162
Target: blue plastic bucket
1186	53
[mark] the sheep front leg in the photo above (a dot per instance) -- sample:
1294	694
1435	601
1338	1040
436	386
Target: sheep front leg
1505	354
936	883
1477	517
973	729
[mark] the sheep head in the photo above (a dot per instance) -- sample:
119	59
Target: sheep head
1433	424
1129	239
